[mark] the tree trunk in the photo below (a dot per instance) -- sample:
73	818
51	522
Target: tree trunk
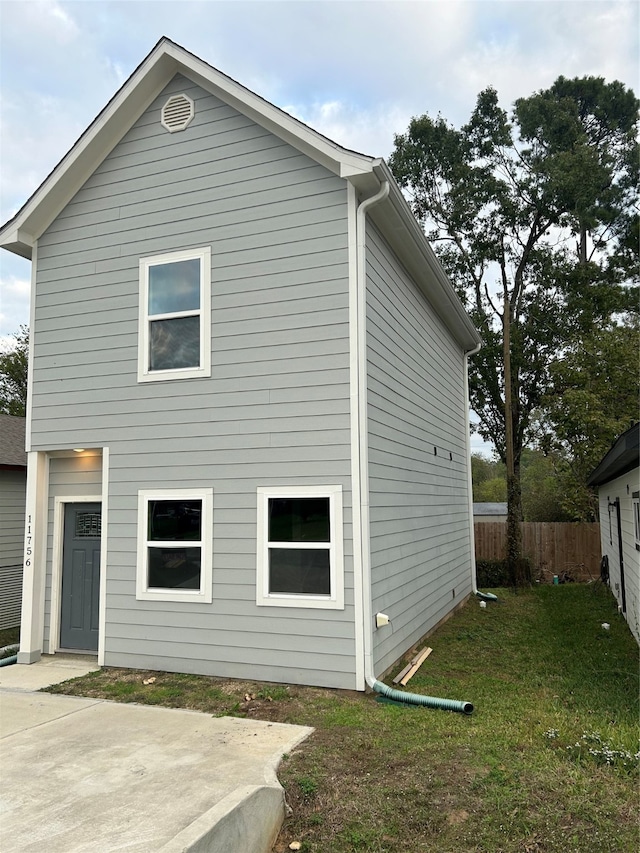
516	565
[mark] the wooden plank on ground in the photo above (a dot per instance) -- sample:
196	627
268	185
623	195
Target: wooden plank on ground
403	672
424	654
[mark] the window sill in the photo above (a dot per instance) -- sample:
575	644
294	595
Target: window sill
190	596
316	603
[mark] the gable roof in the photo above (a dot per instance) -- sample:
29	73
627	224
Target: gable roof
393	216
623	457
12	432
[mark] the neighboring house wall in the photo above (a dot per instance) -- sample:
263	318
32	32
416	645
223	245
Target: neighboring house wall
622	488
12	508
275	410
419	502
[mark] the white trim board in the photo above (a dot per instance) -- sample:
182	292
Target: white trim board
59	503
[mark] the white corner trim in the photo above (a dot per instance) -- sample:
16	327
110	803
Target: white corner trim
104	545
59	503
205	594
32	336
334	601
35	563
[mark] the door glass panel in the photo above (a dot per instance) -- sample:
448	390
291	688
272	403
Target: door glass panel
88	525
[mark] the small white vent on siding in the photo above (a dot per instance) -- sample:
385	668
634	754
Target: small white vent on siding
177	113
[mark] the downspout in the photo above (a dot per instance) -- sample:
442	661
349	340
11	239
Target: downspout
486	596
363	461
363	472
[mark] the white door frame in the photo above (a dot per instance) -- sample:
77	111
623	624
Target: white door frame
56	564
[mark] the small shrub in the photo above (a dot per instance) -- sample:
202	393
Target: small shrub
494	573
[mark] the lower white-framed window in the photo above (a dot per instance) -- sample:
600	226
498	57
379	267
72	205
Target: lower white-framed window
175	531
635	503
300	561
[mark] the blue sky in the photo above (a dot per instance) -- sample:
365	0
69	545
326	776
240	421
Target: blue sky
356	71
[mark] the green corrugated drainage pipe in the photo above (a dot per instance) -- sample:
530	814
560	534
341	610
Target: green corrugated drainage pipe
12	658
8	661
486	596
416	699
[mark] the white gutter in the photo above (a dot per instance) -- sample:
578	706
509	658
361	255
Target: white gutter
362	509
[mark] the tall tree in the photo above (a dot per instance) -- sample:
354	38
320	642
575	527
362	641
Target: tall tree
13	374
528	217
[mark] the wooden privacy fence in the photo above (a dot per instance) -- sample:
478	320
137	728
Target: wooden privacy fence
553	548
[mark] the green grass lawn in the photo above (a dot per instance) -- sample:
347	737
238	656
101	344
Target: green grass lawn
547	763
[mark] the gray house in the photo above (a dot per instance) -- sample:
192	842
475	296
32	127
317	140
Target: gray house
13	482
617	479
490	511
247	427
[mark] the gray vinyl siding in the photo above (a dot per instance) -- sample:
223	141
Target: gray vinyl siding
420	547
275	410
623	488
74	476
12	509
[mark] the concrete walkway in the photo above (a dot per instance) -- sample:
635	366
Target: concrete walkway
89	775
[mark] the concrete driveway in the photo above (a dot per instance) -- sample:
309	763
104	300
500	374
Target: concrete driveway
89	775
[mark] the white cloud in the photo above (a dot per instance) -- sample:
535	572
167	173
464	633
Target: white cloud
355	71
14	303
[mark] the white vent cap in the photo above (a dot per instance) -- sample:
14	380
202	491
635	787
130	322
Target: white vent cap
177	113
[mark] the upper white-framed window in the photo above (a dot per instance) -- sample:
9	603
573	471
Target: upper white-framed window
300	558
175	532
174	332
635	504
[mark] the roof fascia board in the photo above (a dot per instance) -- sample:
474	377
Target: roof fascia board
339	160
146	82
621	457
87	153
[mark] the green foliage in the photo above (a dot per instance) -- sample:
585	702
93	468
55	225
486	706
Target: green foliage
543	484
532	217
593	400
13	375
489	479
492	573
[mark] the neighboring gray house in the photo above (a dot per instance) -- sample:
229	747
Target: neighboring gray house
248	416
13	484
617	479
490	511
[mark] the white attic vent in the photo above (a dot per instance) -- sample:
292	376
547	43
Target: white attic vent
177	113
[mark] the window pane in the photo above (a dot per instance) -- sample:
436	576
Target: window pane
174	568
302	571
299	520
176	521
174	287
174	343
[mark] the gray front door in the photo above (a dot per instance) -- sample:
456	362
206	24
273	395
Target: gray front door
80	577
